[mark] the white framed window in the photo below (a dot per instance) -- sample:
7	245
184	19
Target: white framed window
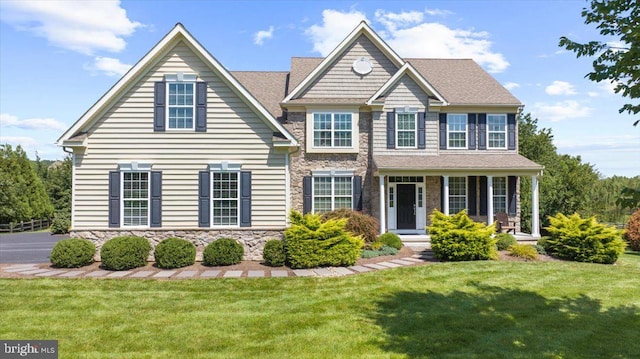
180	105
332	192
333	130
500	194
225	197
135	198
456	130
406	130
457	194
497	131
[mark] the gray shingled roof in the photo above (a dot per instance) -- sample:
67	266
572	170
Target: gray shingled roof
489	162
301	67
268	87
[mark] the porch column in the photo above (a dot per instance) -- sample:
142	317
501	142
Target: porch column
445	195
383	207
535	207
490	213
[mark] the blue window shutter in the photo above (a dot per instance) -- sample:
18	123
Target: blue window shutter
511	195
471	130
483	195
204	199
114	199
357	193
511	131
443	131
159	113
306	194
201	107
156	199
245	199
391	129
471	195
482	131
422	139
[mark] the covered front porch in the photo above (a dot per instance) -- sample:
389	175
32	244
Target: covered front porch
420	242
411	187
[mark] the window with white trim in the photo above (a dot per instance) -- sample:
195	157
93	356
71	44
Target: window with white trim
332	192
457	194
406	129
225	198
497	131
456	130
135	199
499	194
181	103
333	130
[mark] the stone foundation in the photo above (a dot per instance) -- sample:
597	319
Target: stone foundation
251	239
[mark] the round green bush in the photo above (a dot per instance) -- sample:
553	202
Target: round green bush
175	253
61	223
125	252
273	253
390	239
72	253
505	240
222	252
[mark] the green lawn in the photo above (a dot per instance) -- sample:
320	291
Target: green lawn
462	310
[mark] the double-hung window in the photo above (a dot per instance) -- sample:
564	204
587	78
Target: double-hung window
457	194
456	130
406	130
180	100
500	194
225	198
332	192
332	130
135	199
497	131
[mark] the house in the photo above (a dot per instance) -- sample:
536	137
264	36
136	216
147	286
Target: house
180	146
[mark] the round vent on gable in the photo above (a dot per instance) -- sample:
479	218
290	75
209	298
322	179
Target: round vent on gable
362	66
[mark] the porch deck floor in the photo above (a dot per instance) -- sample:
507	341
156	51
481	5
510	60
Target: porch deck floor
423	241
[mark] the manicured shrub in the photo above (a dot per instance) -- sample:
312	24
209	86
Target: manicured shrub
223	252
72	253
525	251
273	253
310	242
540	249
175	253
383	251
125	252
583	240
504	241
391	240
61	223
632	234
458	238
358	223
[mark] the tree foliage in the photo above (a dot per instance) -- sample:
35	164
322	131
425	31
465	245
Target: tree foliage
617	20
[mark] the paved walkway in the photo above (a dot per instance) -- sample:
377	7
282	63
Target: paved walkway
38	271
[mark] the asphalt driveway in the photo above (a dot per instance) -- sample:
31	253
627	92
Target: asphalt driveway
27	247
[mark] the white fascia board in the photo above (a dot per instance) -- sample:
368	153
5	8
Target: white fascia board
362	28
410	70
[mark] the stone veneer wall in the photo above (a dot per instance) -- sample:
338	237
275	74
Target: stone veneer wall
252	240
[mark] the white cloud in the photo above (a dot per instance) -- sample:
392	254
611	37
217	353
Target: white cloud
108	65
392	21
81	26
335	27
511	85
19	140
609	87
32	146
262	35
437	12
7	120
559	111
560	88
593	94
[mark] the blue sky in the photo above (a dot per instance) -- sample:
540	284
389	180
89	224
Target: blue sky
58	57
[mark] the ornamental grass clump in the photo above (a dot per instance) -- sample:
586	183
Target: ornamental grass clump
358	223
583	239
125	252
458	238
525	251
310	242
72	253
175	253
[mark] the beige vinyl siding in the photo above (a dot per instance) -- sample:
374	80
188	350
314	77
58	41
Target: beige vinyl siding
340	81
405	93
234	133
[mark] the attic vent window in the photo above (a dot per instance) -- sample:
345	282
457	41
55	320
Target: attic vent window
362	66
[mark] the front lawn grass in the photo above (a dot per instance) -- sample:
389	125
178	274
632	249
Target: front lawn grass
463	310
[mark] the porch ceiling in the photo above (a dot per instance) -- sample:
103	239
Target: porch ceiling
472	164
